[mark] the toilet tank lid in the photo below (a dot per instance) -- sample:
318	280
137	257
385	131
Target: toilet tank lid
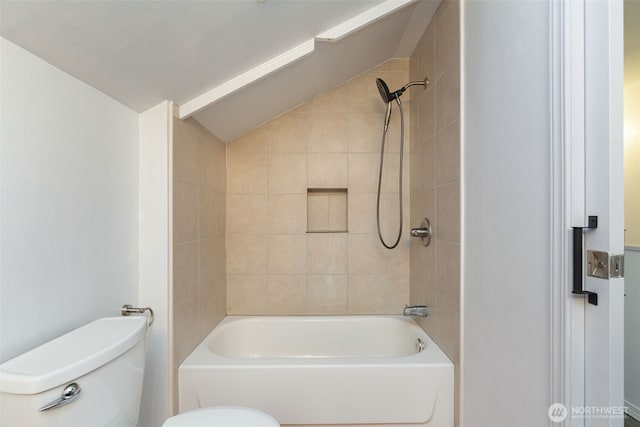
71	355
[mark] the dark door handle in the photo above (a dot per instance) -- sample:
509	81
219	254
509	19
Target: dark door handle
578	286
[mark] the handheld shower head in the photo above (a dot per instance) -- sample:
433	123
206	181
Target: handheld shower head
387	117
384	91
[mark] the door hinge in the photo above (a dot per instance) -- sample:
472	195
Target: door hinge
605	266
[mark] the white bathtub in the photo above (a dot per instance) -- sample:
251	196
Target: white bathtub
326	370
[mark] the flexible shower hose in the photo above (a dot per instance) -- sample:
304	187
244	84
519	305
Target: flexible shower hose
384	137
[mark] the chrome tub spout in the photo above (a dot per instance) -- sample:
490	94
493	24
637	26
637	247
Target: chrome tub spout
416	310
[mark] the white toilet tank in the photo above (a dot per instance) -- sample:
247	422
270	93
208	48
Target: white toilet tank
105	360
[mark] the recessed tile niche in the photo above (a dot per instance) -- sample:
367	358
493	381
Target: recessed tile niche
327	210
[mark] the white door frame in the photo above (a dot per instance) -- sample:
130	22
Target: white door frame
568	41
567	119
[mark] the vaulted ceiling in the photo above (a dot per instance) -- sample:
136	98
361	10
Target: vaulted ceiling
231	64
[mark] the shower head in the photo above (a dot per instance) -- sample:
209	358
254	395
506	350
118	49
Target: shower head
388	96
384	91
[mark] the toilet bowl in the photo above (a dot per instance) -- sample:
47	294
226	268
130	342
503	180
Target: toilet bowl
223	416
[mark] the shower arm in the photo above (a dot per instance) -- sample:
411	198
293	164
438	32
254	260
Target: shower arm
400	91
397	94
424	83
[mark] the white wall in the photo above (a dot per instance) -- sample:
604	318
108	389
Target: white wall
631	328
506	213
68	202
155	259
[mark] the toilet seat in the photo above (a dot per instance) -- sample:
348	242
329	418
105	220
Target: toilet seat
222	416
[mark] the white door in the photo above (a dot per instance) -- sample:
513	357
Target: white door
603	197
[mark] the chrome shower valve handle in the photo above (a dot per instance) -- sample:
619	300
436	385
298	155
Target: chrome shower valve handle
423	232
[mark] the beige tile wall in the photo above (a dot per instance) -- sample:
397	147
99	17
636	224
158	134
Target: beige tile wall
199	230
274	266
435	179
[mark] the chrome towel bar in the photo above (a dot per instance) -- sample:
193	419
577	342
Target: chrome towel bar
128	310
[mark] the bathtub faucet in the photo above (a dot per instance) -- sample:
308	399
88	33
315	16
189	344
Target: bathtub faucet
416	310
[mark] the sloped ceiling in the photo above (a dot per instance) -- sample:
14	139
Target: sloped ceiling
143	52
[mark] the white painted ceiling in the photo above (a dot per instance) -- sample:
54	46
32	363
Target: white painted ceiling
143	52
